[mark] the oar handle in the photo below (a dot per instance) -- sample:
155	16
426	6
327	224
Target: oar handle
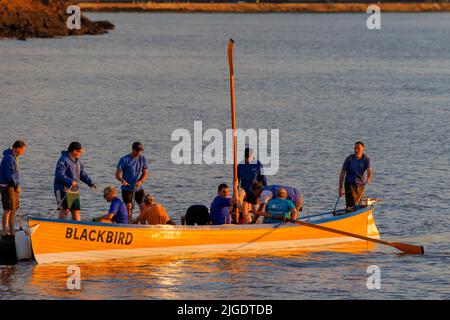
335	206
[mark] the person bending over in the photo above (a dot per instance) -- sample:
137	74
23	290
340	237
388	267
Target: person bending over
117	211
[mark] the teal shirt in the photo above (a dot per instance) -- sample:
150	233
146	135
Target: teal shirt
280	208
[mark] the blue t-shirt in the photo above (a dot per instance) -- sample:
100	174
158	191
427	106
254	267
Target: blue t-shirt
119	210
280	208
132	170
219	211
356	168
248	173
292	193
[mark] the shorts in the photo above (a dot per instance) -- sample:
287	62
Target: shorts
353	194
10	198
68	200
127	196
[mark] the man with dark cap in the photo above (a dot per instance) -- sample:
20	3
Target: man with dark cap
68	174
250	171
356	172
132	171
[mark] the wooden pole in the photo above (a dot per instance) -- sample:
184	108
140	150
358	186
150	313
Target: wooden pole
233	122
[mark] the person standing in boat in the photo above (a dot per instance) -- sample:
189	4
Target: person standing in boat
117	211
132	171
69	173
220	206
356	172
250	171
10	186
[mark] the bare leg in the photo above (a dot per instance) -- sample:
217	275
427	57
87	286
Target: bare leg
63	214
255	216
12	222
298	205
76	215
5	221
141	206
130	212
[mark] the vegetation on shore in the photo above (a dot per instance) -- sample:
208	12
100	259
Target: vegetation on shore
22	19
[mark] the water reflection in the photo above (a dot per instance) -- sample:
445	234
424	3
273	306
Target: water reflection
179	277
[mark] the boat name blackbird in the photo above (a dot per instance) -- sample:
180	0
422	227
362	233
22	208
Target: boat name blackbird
115	237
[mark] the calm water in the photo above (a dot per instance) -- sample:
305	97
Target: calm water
324	80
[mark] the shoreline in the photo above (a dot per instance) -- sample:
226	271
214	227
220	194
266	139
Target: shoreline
261	7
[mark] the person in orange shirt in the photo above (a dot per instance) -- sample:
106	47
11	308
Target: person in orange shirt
153	213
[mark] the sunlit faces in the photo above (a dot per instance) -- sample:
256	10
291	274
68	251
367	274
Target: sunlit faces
359	149
225	192
76	154
20	151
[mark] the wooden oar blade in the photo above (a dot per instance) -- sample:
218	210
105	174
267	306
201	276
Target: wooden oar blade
408	248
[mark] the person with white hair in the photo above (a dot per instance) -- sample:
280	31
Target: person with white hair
118	212
280	208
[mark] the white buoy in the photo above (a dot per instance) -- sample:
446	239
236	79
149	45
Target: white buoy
23	245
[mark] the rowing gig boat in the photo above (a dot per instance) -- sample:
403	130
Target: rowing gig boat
59	241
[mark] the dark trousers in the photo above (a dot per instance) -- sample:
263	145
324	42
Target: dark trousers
353	194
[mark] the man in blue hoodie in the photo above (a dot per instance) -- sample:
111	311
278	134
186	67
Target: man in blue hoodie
250	171
68	174
10	186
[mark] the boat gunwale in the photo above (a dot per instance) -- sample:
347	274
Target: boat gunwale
360	210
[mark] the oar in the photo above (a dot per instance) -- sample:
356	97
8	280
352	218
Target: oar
404	247
60	203
233	121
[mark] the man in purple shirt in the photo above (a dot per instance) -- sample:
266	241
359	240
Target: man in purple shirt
353	176
220	207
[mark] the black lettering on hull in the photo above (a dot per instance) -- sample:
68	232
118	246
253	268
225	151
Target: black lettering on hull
114	237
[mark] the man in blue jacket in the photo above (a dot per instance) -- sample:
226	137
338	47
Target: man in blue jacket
10	186
250	171
68	174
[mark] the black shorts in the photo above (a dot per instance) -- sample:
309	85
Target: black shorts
127	196
10	198
67	201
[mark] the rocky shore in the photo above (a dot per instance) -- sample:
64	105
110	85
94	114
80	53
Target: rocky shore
23	19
